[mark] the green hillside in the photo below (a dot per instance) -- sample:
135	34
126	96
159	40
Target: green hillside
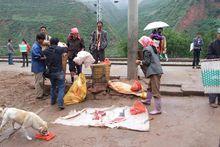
22	19
174	12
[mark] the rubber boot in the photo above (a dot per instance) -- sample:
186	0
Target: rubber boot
157	107
147	101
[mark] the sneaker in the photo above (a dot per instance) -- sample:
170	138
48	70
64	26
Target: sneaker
213	105
155	112
61	108
41	98
46	94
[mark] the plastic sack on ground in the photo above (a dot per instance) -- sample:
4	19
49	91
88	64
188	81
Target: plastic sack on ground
136	86
85	58
125	88
137	108
77	91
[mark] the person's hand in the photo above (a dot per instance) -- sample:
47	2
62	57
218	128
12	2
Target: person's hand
138	62
64	54
43	58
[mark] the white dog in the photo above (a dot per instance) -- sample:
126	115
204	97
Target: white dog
24	118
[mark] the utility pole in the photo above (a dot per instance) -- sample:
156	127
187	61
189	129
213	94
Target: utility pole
99	10
132	38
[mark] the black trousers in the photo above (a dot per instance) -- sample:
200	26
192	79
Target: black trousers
73	67
98	55
24	57
196	57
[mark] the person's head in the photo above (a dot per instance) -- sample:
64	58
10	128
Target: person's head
146	41
74	33
40	37
154	31
160	30
9	40
43	29
218	34
198	35
99	25
54	41
24	41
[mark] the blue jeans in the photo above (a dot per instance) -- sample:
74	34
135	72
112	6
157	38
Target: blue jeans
10	58
57	81
213	97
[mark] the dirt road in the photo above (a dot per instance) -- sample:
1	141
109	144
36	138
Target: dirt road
185	122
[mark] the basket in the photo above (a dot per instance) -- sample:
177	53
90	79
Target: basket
100	73
211	75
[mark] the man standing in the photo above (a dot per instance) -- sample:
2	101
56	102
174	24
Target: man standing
214	53
75	44
38	65
10	52
198	43
99	42
46	43
54	63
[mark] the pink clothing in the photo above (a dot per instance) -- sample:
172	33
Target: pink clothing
75	31
146	41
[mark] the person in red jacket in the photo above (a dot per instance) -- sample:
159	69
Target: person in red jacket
25	54
75	44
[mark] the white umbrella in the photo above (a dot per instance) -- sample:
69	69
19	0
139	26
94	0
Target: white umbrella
156	25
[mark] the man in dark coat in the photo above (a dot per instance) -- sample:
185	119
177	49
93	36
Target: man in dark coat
99	43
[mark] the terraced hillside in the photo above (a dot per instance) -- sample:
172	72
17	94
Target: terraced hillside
22	19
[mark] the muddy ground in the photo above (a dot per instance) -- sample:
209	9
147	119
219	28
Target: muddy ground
185	122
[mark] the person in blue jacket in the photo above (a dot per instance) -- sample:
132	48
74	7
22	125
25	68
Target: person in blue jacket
38	65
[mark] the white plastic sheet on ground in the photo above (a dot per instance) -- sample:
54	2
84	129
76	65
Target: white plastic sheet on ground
139	122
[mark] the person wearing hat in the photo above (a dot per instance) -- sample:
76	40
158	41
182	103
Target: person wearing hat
154	72
98	43
214	53
75	44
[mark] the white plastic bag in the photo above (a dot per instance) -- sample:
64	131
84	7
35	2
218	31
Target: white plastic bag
191	46
84	57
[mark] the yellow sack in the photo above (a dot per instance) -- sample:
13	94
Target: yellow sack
77	91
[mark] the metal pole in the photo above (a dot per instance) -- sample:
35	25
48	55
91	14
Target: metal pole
99	10
132	38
